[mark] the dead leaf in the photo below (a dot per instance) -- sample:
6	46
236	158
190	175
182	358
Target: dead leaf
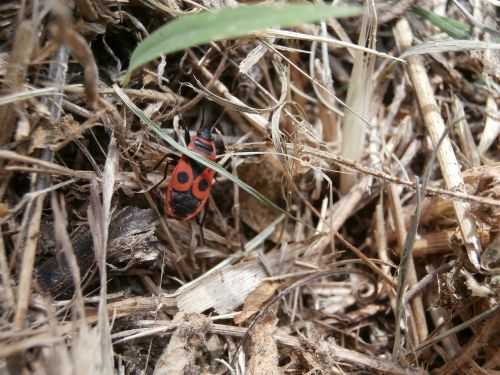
255	300
266	177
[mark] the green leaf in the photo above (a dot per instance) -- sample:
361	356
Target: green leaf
198	157
455	29
228	23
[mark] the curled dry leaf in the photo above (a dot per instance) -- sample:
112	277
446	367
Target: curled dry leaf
323	327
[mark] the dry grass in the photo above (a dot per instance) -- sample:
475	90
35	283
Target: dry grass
392	267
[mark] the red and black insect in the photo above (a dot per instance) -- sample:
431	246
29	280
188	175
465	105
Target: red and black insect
190	183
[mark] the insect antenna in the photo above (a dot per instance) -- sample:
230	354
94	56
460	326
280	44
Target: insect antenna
202	122
217	121
205	131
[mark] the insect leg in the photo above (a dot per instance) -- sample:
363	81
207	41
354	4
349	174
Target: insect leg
201	223
172	157
187	137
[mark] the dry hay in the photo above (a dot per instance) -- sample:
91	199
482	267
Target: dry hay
96	279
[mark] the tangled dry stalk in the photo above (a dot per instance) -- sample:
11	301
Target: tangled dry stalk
390	166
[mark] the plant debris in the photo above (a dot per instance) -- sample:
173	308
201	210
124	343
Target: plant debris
376	136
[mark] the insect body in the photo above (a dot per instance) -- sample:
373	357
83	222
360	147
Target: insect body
190	183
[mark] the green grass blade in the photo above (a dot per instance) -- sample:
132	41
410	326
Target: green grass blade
455	29
227	23
199	158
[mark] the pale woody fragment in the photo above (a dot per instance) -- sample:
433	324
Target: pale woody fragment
434	123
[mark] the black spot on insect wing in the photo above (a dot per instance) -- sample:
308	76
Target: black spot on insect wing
183	203
203	185
182	177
